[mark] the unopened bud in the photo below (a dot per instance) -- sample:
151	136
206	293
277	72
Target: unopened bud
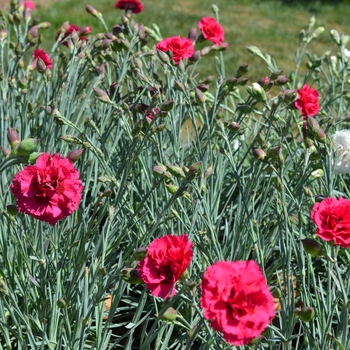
61	303
90	9
6	152
12	137
233	126
315	129
159	169
289	95
199	95
167	106
307	313
26	147
163	56
170	314
41	66
171	188
259	154
192	35
3	34
74	155
101	95
176	171
131	276
140	253
312	247
274	75
281	80
242	69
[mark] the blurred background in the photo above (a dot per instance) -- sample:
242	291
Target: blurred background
271	25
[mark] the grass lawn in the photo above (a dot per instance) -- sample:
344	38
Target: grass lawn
270	25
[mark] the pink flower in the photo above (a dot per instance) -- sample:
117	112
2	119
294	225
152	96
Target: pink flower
180	47
50	190
211	30
29	5
332	217
73	28
167	259
40	53
133	5
236	300
307	103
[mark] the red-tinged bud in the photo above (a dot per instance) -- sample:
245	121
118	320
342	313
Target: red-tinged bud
93	12
113	88
84	30
41	66
259	154
203	87
196	56
140	253
12	209
101	95
3	34
274	75
265	83
200	98
131	276
281	80
26	147
289	95
315	129
178	86
169	315
33	33
242	69
167	106
192	35
242	81
233	126
221	47
307	313
208	79
231	82
176	171
6	152
12	137
159	169
117	29
74	155
139	107
312	247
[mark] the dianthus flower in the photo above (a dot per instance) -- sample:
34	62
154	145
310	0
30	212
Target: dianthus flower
167	259
236	300
50	190
40	53
29	5
332	218
307	102
73	28
132	5
180	47
211	30
342	142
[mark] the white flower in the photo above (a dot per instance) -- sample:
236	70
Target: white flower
342	142
347	53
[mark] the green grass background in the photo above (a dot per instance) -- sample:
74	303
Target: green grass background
271	25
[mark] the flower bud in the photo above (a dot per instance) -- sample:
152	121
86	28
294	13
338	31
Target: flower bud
193	170
167	106
289	95
74	155
171	188
159	169
192	35
169	315
176	171
200	98
281	80
12	209
3	34
312	247
242	69
259	154
233	126
33	157
26	147
140	253
195	56
163	56
258	92
265	83
101	95
317	173
61	304
131	276
205	50
93	12
6	152
12	137
41	66
315	129
307	313
274	75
